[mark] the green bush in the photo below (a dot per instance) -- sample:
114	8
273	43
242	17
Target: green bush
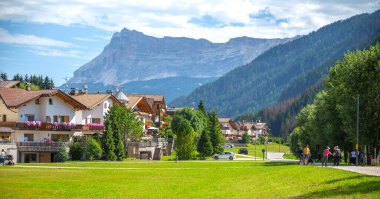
61	156
93	149
76	151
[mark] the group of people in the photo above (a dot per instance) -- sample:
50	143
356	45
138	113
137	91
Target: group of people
336	155
304	156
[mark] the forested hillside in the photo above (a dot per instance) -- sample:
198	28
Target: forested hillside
332	117
282	117
285	71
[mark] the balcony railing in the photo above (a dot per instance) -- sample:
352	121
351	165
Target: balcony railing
40	146
7	142
49	127
51	144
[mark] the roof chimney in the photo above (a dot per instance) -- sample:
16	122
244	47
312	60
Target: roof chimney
73	91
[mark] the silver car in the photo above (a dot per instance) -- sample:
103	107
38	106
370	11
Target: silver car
224	156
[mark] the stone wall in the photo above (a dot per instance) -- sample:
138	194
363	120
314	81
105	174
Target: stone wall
10	148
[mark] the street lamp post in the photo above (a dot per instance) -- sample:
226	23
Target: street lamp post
357	129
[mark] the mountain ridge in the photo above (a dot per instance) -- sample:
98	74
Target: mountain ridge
260	83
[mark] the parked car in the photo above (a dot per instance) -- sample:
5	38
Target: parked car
228	146
243	151
224	156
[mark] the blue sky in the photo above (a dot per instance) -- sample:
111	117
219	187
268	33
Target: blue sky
56	37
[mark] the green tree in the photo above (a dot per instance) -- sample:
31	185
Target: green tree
201	107
197	121
184	145
4	76
204	146
246	138
216	136
93	149
107	138
76	151
61	155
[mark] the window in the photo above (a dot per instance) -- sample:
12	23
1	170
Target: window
28	137
37	101
105	105
50	101
29	117
48	119
95	120
4	118
64	118
55	118
60	137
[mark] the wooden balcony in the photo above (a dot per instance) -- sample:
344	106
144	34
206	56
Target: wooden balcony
49	127
40	146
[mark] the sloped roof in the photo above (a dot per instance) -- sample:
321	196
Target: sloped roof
133	100
15	97
259	126
8	83
90	100
224	120
140	102
155	97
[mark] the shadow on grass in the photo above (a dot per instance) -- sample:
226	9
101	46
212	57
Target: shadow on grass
277	164
344	179
360	187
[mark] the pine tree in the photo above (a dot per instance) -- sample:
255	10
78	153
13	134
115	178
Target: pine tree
107	139
204	146
246	138
201	107
185	135
216	136
4	76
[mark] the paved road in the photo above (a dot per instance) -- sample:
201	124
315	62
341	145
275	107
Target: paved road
372	171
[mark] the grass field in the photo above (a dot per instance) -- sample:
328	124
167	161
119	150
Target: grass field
197	179
259	153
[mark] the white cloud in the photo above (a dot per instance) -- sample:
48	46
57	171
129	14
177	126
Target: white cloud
57	53
171	18
30	40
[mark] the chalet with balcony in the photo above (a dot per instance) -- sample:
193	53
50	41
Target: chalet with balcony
45	117
139	105
234	130
158	105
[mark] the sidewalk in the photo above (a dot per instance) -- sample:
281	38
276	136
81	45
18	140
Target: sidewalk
372	171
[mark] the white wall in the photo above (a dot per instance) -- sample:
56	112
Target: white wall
29	108
40	111
59	107
98	111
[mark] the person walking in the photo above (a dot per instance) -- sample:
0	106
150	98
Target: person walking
336	154
306	154
300	155
3	157
353	157
326	154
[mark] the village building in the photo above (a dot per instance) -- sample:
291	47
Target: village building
233	131
36	121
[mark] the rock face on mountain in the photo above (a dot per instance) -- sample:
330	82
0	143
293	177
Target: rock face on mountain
133	56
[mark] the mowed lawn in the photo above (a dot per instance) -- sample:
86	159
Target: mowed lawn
259	154
198	179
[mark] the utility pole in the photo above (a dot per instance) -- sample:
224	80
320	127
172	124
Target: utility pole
357	130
